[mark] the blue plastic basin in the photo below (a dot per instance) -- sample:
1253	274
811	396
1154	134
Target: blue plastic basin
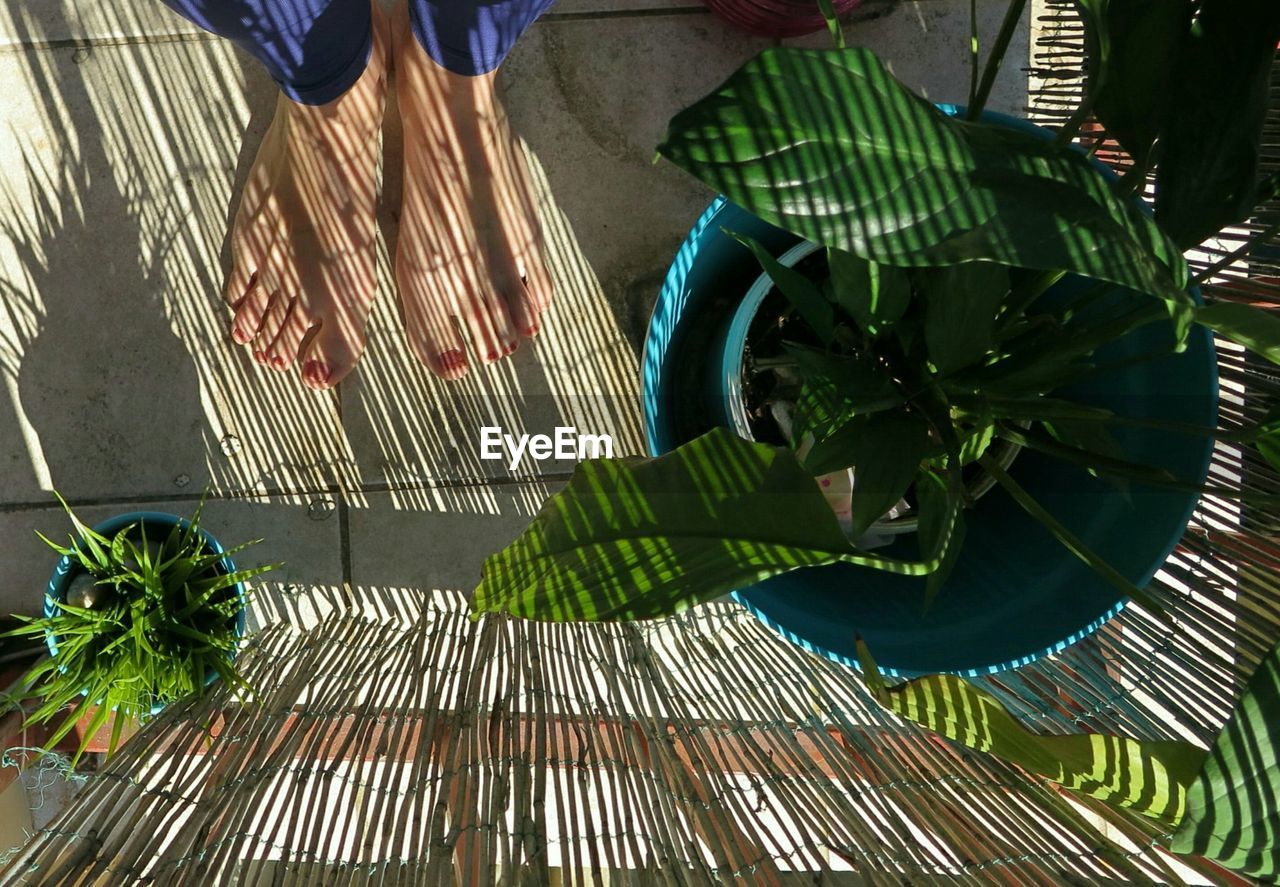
1016	594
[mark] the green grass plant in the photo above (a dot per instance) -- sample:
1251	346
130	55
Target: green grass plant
148	617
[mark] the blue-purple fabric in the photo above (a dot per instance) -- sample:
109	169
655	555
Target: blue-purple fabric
472	37
314	49
317	49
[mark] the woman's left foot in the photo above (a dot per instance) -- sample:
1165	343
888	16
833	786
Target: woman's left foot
469	258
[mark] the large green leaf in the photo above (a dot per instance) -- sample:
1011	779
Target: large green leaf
829	145
874	295
961	303
1255	328
1133	48
799	290
863	384
885	451
1268	442
1208	171
941	527
642	538
1148	777
1233	808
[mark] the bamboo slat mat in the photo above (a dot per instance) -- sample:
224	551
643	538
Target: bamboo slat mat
702	750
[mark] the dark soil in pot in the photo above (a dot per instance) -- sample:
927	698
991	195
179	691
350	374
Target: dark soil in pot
775	322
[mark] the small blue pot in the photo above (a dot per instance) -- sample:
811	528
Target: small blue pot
1016	594
66	569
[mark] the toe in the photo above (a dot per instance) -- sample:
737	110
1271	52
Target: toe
536	278
249	315
283	350
252	251
239	283
520	309
275	320
436	342
330	356
429	325
524	315
488	322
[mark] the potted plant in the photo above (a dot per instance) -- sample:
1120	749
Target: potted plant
971	280
142	610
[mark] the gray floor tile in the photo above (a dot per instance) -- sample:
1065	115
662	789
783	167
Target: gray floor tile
926	45
436	540
117	165
40	22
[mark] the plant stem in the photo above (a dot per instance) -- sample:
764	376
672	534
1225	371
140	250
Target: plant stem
973	53
1134	178
1122	469
1007	28
772	363
833	22
1071	128
1263	235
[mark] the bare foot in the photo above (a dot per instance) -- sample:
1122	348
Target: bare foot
470	251
303	274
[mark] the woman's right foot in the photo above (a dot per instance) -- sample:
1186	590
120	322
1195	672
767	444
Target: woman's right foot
469	258
303	268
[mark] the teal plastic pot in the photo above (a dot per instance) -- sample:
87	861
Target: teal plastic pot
66	570
1016	594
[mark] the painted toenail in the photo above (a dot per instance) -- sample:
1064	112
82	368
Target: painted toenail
316	372
452	361
492	355
531	330
240	335
278	362
260	356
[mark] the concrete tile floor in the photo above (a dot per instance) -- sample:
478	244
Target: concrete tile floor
125	134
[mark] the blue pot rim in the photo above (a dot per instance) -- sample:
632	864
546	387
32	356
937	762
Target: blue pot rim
669	308
66	568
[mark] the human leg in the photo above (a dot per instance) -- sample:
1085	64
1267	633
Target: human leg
470	256
472	37
302	277
314	49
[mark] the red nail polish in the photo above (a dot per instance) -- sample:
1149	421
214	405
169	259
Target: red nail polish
452	361
260	356
492	355
278	362
316	372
